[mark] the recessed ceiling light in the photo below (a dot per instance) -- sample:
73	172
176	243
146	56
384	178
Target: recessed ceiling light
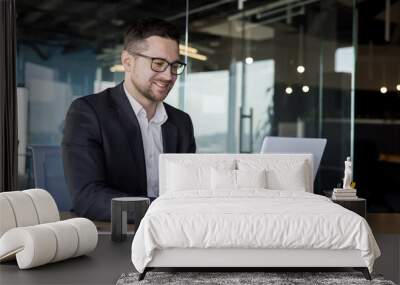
305	88
398	87
301	69
383	89
289	90
249	60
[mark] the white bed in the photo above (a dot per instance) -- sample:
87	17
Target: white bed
241	210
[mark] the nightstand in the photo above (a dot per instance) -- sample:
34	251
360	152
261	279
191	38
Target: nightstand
119	214
358	206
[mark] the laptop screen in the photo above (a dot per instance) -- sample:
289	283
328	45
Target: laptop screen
315	146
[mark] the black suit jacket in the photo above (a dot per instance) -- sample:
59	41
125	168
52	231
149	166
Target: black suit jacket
103	154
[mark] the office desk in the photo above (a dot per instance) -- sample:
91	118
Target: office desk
102	227
102	266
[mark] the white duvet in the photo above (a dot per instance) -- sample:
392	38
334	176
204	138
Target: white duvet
253	218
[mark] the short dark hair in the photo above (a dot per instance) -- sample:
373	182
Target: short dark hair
147	27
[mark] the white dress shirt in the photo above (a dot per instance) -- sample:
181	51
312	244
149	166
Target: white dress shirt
152	140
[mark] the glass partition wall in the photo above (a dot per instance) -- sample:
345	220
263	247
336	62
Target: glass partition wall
273	68
377	105
255	68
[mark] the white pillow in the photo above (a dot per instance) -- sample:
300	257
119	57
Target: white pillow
193	174
282	174
182	178
251	178
223	179
236	179
293	179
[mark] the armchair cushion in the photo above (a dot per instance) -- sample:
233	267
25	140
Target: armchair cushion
40	244
26	208
31	230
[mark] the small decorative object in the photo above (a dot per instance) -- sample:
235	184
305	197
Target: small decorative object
348	191
348	174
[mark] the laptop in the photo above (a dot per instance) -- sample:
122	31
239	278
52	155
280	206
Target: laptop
315	146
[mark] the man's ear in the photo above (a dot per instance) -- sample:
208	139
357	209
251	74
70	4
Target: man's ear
126	60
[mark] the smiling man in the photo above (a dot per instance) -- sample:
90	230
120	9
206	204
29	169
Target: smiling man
112	140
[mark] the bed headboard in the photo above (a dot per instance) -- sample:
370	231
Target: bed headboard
285	160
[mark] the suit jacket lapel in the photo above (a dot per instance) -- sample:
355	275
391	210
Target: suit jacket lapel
170	137
128	120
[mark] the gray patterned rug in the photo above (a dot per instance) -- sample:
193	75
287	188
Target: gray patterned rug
243	278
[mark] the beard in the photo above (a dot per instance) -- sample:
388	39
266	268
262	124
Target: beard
147	92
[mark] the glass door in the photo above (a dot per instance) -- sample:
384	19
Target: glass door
297	64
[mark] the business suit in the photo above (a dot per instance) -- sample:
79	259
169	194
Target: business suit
103	151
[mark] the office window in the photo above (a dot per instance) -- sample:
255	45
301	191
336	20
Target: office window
297	68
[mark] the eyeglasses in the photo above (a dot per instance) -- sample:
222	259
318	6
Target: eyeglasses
161	65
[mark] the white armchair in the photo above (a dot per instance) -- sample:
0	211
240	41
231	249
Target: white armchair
31	230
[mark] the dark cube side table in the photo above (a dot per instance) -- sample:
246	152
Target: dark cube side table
358	206
119	214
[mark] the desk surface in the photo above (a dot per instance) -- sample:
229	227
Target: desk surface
102	227
102	266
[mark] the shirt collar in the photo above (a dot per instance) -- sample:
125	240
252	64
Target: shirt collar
159	117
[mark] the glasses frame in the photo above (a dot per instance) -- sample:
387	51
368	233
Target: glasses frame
163	59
